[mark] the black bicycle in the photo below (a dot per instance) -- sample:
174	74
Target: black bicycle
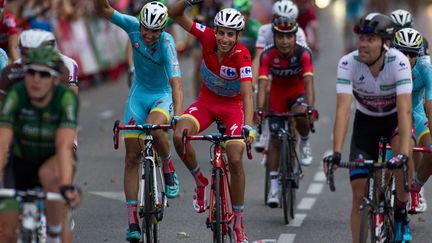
377	211
290	170
152	199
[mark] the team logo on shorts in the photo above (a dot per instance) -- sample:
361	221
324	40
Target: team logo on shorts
228	72
136	44
246	72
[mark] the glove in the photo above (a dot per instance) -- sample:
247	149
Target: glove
397	161
174	120
189	3
249	131
335	158
71	194
312	112
258	115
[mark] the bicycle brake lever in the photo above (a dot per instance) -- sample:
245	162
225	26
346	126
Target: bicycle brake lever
330	177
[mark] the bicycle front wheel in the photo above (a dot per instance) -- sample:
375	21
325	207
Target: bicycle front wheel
150	224
217	210
286	185
266	182
367	225
292	180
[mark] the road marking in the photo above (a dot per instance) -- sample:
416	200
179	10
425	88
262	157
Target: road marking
111	195
306	203
286	238
265	241
315	188
320	176
298	220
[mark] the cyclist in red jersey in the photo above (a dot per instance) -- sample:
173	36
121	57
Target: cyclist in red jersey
226	93
307	20
8	32
291	70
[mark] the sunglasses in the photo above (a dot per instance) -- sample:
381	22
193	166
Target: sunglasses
285	27
42	74
410	54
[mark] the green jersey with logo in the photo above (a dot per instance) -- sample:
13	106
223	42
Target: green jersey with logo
35	128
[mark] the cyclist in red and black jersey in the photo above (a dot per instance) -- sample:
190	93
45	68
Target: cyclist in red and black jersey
291	70
226	94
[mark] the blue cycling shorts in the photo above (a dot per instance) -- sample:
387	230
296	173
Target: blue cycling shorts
420	123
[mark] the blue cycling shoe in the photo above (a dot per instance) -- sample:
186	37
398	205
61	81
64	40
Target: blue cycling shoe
133	233
172	185
402	232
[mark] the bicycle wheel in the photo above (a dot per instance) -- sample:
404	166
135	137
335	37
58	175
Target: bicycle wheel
266	182
367	225
286	185
292	176
217	210
150	226
27	236
388	222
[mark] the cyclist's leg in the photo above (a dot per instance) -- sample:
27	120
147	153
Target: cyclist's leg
302	126
273	161
49	176
9	220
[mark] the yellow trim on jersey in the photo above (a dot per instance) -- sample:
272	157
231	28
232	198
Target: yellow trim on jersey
308	74
263	77
163	111
421	135
193	119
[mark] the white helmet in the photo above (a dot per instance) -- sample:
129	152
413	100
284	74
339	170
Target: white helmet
154	16
229	18
408	39
402	18
285	8
35	38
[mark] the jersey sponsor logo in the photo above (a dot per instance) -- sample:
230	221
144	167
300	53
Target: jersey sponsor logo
192	109
386	87
233	128
276	60
228	72
200	27
345	63
402	64
246	72
159	102
286	72
137	44
294	59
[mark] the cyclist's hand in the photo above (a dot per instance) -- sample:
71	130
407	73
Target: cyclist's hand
397	161
258	115
335	159
312	113
189	3
250	133
71	194
174	120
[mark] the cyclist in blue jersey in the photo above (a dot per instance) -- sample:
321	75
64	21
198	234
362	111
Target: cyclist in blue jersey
3	59
156	93
410	42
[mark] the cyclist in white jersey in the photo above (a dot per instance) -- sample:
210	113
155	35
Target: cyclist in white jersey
380	80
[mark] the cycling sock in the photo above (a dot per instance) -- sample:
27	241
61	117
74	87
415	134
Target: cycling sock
132	206
167	165
53	233
416	185
304	139
274	182
200	179
418	181
401	212
238	216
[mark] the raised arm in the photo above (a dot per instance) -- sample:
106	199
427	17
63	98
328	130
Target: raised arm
103	8
176	12
6	136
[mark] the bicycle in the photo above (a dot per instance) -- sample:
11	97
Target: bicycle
152	199
290	170
377	211
220	212
33	220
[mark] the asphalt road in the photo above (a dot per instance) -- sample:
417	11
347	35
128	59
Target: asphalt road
321	216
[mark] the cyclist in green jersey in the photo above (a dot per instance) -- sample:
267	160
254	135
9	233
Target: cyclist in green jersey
39	118
250	33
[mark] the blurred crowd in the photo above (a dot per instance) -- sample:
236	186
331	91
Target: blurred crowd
100	47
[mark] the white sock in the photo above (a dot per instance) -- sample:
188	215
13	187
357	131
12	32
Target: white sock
274	180
54	233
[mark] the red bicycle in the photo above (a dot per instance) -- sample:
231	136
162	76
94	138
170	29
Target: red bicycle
220	211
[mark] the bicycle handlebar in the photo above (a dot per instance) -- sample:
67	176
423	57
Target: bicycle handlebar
214	138
415	149
144	127
288	115
12	193
364	164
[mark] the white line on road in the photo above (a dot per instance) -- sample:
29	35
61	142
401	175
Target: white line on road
286	238
315	188
320	176
306	203
111	195
298	220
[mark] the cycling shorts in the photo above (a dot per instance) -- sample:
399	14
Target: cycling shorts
203	113
420	123
367	132
283	102
138	107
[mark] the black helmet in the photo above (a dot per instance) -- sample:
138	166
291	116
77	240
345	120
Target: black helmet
375	23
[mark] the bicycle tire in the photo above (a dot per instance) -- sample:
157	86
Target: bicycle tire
26	236
286	187
149	223
266	181
367	224
388	224
292	173
217	214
